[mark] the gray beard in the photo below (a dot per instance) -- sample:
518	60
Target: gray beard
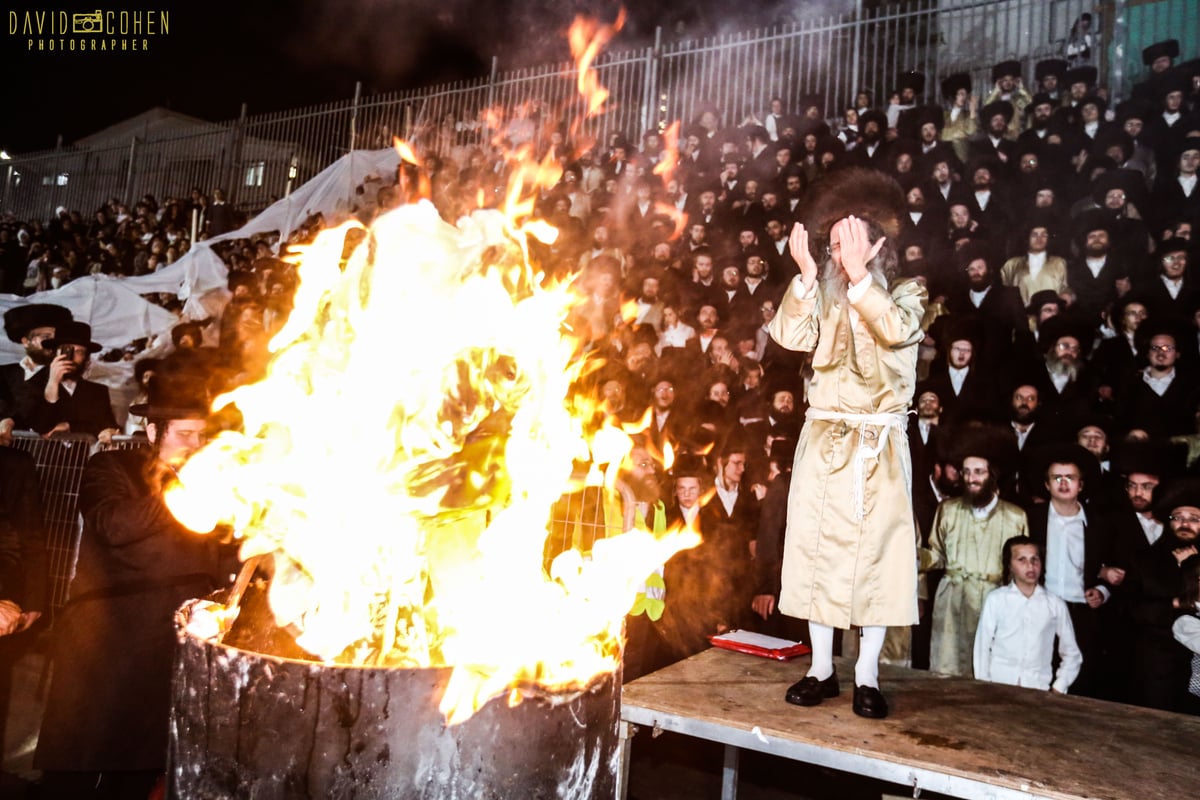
835	284
1058	367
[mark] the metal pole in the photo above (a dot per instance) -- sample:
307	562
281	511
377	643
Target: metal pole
133	140
856	61
54	177
8	179
1120	38
354	114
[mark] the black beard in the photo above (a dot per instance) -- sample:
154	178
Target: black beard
39	355
981	497
981	283
783	417
1040	124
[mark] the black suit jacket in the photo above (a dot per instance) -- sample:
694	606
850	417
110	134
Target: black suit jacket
17	395
87	410
1098	538
23	574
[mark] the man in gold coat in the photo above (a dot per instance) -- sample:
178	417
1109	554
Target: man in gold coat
967	541
850	554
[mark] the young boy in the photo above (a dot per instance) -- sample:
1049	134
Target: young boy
1014	643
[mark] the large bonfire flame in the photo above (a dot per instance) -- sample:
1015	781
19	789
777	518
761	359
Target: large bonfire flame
401	458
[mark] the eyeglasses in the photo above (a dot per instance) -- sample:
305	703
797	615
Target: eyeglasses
1162	348
1188	518
1064	478
1067	346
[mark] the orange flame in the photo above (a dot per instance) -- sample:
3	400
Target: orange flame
588	37
670	152
404	502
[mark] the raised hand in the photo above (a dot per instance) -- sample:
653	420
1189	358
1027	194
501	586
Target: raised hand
798	247
856	250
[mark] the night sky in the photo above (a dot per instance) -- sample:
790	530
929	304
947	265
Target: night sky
278	54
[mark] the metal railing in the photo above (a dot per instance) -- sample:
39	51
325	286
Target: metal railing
59	461
261	157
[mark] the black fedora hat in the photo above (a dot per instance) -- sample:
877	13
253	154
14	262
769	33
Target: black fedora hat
73	332
177	390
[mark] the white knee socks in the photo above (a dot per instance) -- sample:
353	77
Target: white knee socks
822	650
866	669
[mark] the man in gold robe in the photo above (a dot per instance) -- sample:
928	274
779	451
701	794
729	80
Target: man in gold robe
850	553
967	541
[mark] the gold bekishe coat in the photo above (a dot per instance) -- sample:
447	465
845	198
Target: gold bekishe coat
839	569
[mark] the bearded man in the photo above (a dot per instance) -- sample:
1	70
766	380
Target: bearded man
966	540
851	563
29	326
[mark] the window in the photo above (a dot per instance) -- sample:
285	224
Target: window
254	173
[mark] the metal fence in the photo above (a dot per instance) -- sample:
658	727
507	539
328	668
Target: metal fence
261	157
59	462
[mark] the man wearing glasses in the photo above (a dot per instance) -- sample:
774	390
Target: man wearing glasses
1161	664
1078	542
1157	399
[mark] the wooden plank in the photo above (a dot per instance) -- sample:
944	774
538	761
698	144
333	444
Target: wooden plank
1021	741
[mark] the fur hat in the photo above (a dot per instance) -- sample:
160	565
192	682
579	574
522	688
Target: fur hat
1167	47
865	193
1050	66
951	84
996	107
911	80
1183	493
1076	75
20	320
1010	68
1041	298
1160	458
989	442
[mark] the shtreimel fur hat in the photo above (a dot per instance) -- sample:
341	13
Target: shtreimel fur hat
865	193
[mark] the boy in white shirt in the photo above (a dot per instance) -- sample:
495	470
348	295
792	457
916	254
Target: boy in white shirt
1014	643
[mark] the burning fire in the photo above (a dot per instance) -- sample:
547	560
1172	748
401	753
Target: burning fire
401	458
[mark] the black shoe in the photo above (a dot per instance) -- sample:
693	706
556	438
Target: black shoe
810	691
869	702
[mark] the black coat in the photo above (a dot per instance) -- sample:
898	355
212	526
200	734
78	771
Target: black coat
87	410
23	561
17	395
108	703
1098	538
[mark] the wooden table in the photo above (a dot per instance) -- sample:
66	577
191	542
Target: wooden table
953	736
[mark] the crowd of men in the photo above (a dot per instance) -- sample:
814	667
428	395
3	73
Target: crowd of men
1057	415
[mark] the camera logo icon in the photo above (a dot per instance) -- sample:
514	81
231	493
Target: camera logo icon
88	23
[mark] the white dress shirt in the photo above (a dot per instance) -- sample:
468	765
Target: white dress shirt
1064	554
1014	642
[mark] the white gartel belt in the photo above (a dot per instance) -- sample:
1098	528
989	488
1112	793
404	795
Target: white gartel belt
888	423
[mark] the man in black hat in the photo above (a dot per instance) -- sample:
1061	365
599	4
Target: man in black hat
1049	74
997	308
1171	293
1159	58
1041	112
996	139
965	391
1007	87
1177	191
1078	542
29	326
873	150
910	86
1037	268
1093	276
68	401
1161	398
1060	371
1161	664
1168	128
104	733
961	114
